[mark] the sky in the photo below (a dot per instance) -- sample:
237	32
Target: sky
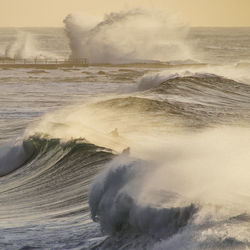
50	13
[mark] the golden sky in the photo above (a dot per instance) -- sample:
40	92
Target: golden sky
29	13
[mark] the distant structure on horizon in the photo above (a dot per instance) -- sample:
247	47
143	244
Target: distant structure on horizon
43	63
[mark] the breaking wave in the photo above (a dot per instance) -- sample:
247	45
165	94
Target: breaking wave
168	190
113	202
25	46
128	36
55	166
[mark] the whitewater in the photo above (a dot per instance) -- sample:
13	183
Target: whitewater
146	148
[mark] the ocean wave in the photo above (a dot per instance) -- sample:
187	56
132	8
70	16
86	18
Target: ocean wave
48	195
119	37
154	80
54	185
189	99
20	152
184	103
231	71
54	180
113	203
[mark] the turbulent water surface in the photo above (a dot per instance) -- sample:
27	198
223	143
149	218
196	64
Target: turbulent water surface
139	156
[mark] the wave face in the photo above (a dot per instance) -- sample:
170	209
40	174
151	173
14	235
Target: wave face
49	172
195	100
112	200
208	98
15	155
123	37
48	194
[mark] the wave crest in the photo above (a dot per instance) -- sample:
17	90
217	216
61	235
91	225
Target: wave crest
113	202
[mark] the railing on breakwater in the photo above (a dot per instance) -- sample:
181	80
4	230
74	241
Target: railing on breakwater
43	62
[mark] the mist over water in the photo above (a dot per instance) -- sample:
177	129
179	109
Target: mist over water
128	36
22	47
25	46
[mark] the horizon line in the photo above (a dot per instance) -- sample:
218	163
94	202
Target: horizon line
192	26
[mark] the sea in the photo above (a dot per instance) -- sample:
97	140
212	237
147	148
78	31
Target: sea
133	151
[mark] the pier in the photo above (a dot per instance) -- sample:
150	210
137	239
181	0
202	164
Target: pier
42	63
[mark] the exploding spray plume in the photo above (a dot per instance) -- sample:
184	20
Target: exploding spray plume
128	36
25	46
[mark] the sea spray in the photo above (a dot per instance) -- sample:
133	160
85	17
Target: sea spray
25	46
113	202
183	106
22	47
213	159
184	198
128	36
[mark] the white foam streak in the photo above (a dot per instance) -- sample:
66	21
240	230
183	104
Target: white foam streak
209	167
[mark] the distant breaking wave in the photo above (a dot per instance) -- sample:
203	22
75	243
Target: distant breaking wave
128	36
175	190
25	46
